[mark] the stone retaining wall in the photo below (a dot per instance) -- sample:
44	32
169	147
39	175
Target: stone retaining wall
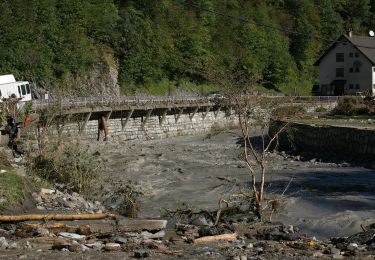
328	142
153	129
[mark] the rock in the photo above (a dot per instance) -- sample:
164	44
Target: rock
121	240
13	245
141	254
157	235
335	251
250	246
352	247
95	246
84	248
3	243
40	207
27	245
76	248
42	231
318	255
68	204
112	247
47	191
22	257
243	257
337	257
200	221
71	235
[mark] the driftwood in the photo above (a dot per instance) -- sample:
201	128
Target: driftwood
208	239
103	227
60	227
18	218
49	240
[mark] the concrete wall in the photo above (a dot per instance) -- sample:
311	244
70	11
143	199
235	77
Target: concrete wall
134	130
328	142
364	78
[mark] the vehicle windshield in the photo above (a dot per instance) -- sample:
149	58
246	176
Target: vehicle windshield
23	88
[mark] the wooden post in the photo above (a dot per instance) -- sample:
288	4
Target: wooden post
177	117
108	115
216	113
148	114
124	123
206	113
84	123
163	116
191	116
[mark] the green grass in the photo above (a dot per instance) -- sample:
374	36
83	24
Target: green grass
11	189
166	87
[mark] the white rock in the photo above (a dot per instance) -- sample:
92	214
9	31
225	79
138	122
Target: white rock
95	246
112	246
71	235
47	191
13	245
157	235
318	254
352	246
85	248
3	243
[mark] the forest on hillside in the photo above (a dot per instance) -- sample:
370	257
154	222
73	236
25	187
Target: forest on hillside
270	43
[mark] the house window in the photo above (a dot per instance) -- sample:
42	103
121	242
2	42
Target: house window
372	86
357	69
351	55
357	86
339	57
339	72
374	69
351	70
351	86
356	54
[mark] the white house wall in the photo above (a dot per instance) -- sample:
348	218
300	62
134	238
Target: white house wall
327	69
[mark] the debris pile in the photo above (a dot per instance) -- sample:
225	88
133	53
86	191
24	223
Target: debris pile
55	200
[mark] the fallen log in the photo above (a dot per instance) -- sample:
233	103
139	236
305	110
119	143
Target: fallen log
49	240
57	217
208	239
59	227
107	226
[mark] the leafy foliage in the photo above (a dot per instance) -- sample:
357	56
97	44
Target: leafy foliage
51	41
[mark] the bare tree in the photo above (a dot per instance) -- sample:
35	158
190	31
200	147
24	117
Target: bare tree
255	115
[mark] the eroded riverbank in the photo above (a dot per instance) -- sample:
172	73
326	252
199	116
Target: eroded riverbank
323	199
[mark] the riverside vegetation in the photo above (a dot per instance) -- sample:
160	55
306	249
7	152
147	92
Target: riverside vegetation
160	46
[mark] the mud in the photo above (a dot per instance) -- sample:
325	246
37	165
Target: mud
323	199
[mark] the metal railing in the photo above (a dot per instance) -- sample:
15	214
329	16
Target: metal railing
154	100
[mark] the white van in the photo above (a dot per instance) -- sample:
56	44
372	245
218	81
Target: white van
9	86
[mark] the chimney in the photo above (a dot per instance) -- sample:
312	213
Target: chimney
350	32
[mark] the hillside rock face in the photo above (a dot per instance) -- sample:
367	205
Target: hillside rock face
100	81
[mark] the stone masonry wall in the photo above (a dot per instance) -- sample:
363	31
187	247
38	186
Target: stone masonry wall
329	142
134	130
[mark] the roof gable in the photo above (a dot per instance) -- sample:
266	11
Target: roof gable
365	45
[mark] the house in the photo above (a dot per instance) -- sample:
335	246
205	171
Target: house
347	67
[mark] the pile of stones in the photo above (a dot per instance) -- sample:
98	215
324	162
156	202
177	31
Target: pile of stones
55	200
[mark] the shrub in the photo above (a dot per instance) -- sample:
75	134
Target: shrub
72	166
123	196
321	110
350	106
288	111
